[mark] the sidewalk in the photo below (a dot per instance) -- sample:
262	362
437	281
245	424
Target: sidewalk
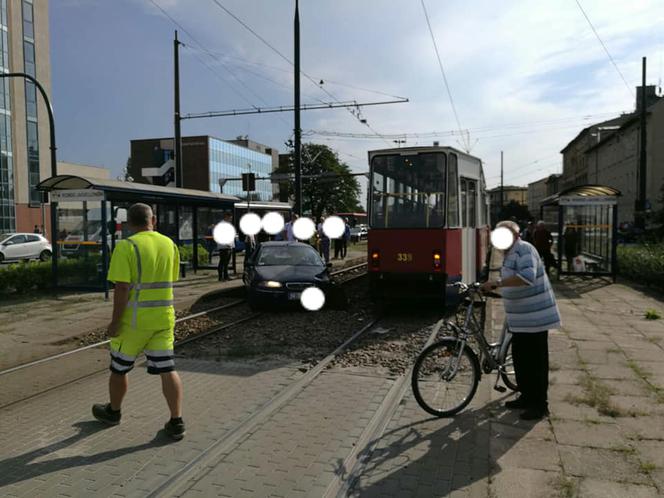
605	435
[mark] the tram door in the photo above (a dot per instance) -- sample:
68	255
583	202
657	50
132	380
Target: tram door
468	229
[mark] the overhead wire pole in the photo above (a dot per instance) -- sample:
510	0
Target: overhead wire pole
502	190
177	146
297	151
641	201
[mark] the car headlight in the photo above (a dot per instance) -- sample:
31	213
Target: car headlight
270	284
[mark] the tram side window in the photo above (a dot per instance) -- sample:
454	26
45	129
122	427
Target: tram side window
472	203
452	192
464	203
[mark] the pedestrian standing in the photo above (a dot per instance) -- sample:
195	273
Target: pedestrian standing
225	252
543	240
345	239
143	267
531	311
338	247
209	242
288	228
527	234
571	243
324	241
36	229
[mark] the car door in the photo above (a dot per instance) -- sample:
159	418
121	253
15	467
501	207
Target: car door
15	247
33	246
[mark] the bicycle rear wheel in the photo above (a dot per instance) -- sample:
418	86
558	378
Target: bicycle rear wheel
508	376
442	385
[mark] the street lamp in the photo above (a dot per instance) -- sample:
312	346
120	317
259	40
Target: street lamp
54	167
399	141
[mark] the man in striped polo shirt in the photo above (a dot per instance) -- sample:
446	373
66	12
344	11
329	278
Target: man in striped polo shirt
531	311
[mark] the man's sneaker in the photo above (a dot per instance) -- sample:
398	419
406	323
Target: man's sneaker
517	404
105	414
175	429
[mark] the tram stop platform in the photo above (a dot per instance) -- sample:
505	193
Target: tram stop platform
604	438
35	328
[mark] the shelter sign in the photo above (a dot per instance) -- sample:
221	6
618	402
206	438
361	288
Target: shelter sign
77	195
575	200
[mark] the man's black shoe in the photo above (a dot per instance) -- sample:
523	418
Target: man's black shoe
534	414
175	429
517	404
105	414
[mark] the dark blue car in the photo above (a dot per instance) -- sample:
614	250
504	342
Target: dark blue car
278	272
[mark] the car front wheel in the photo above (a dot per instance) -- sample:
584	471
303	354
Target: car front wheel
44	256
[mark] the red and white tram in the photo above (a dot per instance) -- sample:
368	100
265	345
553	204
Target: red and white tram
428	219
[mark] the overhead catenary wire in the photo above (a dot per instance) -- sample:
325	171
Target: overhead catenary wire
442	72
280	54
629	88
216	58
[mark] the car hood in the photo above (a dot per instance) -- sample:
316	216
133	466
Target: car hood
285	273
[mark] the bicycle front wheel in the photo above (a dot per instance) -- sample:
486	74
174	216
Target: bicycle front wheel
445	377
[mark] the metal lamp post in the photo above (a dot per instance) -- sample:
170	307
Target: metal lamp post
54	167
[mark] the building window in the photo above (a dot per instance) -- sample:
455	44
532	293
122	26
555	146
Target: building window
29	64
7	211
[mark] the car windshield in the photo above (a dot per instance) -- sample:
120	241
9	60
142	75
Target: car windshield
288	255
5	236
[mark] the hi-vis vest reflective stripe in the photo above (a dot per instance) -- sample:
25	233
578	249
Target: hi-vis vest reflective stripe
136	302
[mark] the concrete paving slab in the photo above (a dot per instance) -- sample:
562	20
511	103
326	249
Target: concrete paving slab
597	488
590	435
603	464
525	483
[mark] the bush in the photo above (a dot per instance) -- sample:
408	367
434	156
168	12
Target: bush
20	278
643	264
187	254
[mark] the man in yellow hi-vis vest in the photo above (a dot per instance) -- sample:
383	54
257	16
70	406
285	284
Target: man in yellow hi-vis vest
143	267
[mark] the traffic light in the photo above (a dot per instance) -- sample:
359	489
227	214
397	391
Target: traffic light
248	182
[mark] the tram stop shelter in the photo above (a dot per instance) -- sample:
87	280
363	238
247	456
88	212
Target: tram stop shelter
586	218
91	216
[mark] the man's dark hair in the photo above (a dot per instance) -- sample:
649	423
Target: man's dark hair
139	215
227	214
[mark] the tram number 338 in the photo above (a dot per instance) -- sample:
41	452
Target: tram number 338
404	257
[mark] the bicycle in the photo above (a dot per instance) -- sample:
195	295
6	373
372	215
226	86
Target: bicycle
451	368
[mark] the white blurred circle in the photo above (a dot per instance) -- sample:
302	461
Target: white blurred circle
502	238
250	223
303	228
312	298
224	233
273	223
334	227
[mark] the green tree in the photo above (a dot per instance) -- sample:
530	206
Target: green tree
516	210
332	190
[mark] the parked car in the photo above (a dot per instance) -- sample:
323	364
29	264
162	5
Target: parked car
279	271
358	233
24	246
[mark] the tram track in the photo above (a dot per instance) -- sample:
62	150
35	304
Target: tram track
177	483
182	338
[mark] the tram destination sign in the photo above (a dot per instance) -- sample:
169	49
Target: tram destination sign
587	201
77	195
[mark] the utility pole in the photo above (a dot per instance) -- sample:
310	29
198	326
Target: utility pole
641	200
502	200
297	132
177	146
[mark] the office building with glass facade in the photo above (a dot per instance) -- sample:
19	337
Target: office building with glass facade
24	132
205	161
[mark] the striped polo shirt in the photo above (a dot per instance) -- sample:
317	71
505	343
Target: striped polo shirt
530	308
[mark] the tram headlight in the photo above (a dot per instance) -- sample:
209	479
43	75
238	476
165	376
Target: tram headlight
375	259
437	261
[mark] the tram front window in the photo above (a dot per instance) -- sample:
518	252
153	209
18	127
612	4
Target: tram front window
408	191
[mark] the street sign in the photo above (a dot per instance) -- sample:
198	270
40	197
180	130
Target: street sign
248	182
77	195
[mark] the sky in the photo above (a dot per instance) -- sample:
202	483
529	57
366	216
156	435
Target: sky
525	76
